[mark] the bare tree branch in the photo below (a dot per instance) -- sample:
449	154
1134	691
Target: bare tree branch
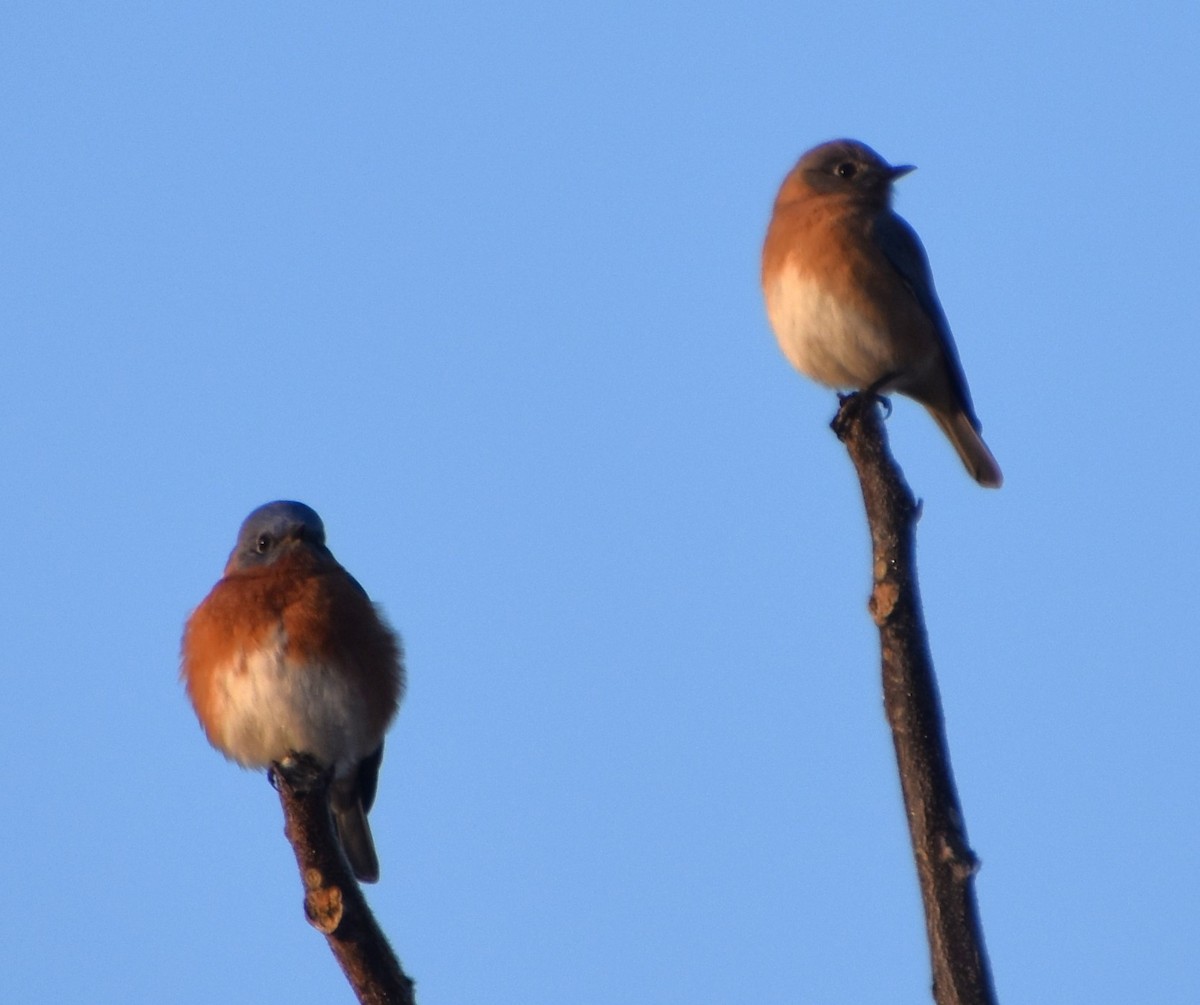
333	901
946	866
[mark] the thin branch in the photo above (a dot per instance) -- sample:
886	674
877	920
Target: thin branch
333	901
946	866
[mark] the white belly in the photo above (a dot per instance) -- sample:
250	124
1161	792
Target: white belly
270	707
823	338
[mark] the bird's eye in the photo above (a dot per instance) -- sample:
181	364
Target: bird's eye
263	544
847	169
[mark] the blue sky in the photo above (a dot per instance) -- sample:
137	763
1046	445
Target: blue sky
479	283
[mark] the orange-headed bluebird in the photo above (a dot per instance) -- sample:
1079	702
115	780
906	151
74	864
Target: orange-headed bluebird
287	656
850	295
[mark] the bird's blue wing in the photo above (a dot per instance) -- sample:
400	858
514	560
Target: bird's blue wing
902	248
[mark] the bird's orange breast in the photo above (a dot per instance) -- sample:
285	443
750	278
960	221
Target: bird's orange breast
291	618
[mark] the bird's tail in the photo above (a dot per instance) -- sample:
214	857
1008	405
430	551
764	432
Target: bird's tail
975	455
355	835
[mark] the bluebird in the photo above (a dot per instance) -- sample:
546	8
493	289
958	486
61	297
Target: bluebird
850	295
287	655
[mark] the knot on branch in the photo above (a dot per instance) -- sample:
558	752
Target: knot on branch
324	904
884	599
955	853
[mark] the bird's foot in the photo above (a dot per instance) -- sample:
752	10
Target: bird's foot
301	772
852	405
872	393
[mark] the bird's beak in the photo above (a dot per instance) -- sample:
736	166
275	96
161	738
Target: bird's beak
900	170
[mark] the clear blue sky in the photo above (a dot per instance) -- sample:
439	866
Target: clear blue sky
479	283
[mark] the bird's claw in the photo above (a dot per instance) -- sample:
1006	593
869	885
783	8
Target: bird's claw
301	772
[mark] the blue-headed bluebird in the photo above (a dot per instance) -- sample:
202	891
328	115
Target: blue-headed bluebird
287	655
850	296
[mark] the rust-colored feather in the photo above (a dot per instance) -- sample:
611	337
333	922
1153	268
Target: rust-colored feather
321	613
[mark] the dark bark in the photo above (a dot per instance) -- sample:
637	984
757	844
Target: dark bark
946	866
333	901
